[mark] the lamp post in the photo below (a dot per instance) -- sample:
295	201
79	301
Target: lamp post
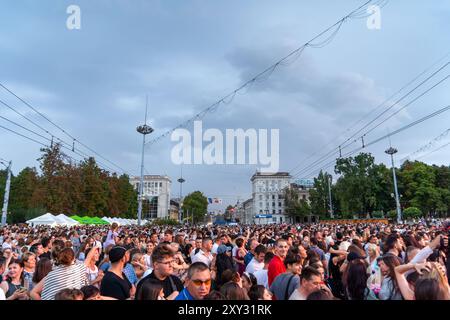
181	181
329	197
144	130
6	197
391	151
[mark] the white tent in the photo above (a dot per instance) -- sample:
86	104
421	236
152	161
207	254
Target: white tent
47	219
67	221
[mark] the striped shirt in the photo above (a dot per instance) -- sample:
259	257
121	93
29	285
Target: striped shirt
64	277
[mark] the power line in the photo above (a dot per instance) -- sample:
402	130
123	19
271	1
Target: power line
56	125
427	154
412	124
428	145
295	53
80	153
370	112
343	146
46	146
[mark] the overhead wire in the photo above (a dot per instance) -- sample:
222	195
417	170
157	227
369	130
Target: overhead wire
269	69
412	124
54	124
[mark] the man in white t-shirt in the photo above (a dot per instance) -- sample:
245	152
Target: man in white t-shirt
257	262
261	276
204	255
310	281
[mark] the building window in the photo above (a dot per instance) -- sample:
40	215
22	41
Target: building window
260	211
160	184
273	204
273	211
274	219
279	204
279	211
260	204
260	197
273	197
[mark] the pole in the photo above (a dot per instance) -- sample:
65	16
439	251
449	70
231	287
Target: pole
397	200
6	198
391	152
144	130
329	197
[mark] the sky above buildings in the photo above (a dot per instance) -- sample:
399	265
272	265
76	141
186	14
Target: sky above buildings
186	55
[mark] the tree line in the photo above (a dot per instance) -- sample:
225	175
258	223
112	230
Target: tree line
63	186
364	188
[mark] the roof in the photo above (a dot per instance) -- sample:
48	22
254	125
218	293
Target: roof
270	175
150	177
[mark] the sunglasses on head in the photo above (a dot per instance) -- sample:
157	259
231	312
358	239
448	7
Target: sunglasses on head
198	283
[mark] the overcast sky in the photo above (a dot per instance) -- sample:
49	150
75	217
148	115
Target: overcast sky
188	54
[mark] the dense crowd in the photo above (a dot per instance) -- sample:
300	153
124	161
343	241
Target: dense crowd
365	261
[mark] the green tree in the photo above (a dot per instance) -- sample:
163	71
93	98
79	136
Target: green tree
412	212
127	197
295	207
418	186
53	166
197	204
96	188
361	185
318	195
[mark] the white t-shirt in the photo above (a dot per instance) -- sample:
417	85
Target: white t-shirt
254	266
2	295
202	257
214	248
6	245
296	296
148	260
262	278
110	239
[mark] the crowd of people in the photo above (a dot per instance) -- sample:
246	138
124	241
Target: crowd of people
361	261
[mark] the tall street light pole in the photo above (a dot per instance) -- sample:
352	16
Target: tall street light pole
391	151
6	198
181	181
144	130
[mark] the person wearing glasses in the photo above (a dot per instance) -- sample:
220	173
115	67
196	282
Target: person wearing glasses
163	261
198	282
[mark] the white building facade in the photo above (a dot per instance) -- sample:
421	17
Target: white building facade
268	197
157	192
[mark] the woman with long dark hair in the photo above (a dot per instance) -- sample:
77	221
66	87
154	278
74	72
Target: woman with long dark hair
389	286
43	267
355	280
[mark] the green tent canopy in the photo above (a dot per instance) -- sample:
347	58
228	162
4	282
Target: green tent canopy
77	218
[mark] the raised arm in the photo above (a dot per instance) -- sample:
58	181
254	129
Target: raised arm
400	274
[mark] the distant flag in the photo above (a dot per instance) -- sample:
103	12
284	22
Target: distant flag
214	200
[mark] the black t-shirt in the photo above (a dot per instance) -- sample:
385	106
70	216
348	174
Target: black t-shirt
47	255
169	284
114	286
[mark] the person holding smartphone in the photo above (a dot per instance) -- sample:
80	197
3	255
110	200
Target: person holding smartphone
13	286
